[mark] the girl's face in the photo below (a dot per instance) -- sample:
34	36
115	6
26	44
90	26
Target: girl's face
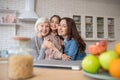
62	28
44	28
54	22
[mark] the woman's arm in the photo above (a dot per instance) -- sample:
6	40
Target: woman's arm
42	54
33	46
57	54
72	50
49	44
46	44
65	57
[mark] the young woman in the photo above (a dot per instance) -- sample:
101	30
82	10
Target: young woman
74	46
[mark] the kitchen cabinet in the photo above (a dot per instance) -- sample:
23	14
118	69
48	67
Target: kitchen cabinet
88	26
111	28
96	27
77	20
100	27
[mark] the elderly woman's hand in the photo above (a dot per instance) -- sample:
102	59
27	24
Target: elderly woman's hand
49	44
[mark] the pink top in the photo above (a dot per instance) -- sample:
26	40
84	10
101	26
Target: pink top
51	54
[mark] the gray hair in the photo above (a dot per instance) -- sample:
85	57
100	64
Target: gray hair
40	20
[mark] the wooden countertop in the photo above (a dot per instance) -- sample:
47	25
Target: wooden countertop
48	74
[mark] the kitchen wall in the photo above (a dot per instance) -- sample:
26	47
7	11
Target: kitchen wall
47	8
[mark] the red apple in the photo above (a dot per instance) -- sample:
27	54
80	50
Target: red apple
98	47
92	49
103	46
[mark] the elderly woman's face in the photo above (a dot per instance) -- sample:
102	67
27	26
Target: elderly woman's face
44	28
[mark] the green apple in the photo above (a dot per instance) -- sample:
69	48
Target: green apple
106	57
91	64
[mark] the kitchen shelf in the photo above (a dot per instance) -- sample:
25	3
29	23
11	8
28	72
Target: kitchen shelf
9	24
7	11
5	17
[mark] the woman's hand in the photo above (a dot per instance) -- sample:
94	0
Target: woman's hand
49	44
65	57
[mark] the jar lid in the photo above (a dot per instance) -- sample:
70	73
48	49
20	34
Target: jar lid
21	38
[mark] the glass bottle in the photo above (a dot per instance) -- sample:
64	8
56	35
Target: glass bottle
20	59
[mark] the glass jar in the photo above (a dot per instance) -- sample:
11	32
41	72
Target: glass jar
20	59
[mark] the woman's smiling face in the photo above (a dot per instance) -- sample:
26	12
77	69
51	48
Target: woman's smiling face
44	28
62	28
54	22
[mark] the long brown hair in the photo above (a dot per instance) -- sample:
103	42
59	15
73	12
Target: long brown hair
73	33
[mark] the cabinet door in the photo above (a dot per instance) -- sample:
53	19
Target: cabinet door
88	26
100	27
78	25
96	27
77	20
110	25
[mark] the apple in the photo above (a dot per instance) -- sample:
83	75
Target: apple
91	64
92	49
102	45
106	57
98	47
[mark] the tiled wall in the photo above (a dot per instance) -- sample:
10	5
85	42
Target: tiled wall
68	8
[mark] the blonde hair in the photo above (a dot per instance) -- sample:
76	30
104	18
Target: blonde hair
40	20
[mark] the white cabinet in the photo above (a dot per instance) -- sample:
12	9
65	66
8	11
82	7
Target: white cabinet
111	28
77	20
96	27
88	26
100	27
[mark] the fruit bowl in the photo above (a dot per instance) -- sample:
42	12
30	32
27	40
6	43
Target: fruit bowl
100	75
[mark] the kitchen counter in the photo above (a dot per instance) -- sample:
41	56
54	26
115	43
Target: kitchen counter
47	73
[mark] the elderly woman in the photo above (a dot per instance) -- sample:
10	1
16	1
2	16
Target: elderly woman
42	29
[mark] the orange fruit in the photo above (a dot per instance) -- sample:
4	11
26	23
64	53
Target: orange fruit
117	48
114	68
